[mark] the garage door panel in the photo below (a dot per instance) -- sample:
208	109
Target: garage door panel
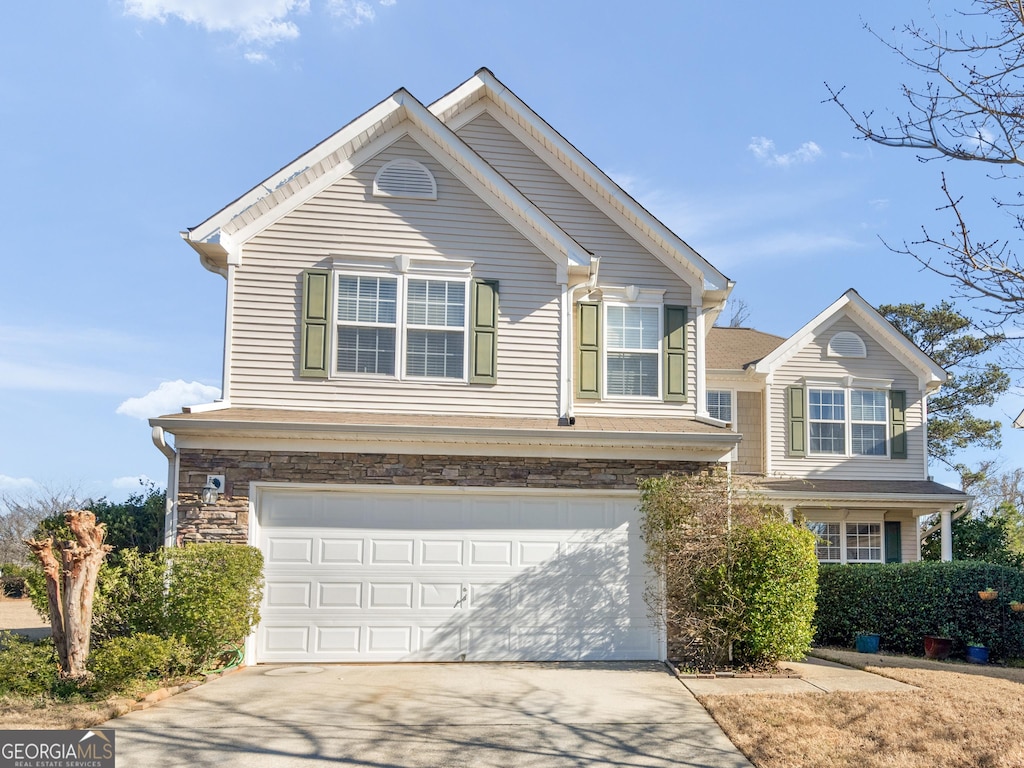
341	551
441	552
289	550
439	576
342	594
385	595
282	594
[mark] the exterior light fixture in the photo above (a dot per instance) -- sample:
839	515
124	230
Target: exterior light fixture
212	490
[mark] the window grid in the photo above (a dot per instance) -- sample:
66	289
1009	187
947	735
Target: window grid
828	545
858	429
426	329
863	542
632	358
720	404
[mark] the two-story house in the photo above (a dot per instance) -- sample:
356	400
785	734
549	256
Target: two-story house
453	346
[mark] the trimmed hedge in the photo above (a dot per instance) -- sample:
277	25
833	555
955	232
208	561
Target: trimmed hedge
903	602
775	576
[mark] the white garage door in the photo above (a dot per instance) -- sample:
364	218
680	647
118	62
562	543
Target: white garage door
420	575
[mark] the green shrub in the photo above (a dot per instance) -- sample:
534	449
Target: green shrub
775	575
121	663
129	596
12	580
27	667
213	596
903	602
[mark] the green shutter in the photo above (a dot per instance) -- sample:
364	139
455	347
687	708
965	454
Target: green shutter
675	353
588	333
483	345
898	417
797	442
893	542
316	315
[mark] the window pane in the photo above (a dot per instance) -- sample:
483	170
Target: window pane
632	374
864	542
366	299
827	404
436	303
828	542
633	327
720	404
868	439
828	438
867	405
366	350
437	354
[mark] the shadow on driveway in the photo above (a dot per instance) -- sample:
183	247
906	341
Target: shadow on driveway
411	715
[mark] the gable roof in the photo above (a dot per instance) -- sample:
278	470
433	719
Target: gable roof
930	374
454	109
218	237
733	349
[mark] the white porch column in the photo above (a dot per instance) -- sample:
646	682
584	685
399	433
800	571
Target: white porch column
946	522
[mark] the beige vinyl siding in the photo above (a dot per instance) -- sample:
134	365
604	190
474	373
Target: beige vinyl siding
749	416
908	535
346	221
812	362
623	260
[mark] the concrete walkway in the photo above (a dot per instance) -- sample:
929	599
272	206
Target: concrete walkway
430	715
816	676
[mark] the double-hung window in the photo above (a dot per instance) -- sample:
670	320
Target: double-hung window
847	422
633	351
847	542
720	404
387	324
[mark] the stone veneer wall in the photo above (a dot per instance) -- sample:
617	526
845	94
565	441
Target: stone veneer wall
228	519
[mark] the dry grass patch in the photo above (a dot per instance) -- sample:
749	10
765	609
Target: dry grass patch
21	713
962	717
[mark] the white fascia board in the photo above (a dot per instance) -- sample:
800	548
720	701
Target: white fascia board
625	210
935	502
230	434
1019	421
929	373
209	230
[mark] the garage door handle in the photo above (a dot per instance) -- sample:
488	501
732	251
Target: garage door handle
462	599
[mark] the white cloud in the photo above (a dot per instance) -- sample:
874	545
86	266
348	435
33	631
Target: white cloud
16	484
264	22
256	57
169	397
765	151
131	482
352	12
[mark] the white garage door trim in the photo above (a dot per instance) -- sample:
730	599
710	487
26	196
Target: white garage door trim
445	573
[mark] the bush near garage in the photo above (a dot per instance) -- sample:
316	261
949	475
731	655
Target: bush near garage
776	577
903	602
120	664
27	667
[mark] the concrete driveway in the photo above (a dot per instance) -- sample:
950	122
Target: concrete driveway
429	715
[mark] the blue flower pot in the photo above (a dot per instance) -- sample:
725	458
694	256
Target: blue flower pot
867	643
977	654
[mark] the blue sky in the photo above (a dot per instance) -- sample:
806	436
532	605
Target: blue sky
123	122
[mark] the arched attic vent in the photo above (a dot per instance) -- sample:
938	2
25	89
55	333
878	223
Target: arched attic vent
846	344
405	177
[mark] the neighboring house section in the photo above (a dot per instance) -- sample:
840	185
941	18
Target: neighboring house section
453	347
839	428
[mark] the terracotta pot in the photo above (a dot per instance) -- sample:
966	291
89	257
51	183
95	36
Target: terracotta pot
937	647
988	594
1017	607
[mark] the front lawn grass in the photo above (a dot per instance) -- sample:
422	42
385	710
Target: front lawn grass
963	716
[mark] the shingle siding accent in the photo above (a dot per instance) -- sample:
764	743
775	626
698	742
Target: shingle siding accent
228	519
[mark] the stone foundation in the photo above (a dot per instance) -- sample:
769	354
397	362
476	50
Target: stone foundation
228	519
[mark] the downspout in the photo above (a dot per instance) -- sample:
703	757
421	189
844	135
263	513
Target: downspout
171	503
229	300
701	373
566	416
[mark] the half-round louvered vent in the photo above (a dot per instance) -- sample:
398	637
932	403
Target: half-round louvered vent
405	178
847	344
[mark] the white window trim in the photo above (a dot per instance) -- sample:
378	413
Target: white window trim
732	405
402	269
843	555
847	387
659	352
